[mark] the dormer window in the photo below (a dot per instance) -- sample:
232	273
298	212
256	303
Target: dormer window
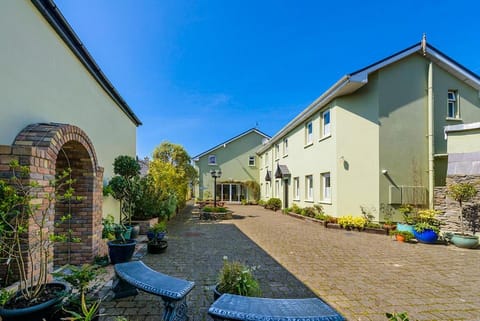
212	160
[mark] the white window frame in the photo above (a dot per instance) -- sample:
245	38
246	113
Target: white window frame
277	151
309	188
296	188
452	105
266	159
326	127
309	133
285	147
251	161
267	189
277	187
212	159
326	194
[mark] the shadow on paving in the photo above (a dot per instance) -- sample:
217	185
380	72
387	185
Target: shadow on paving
195	252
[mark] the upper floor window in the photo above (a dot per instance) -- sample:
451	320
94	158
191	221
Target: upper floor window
277	151
452	104
266	159
285	146
326	123
212	160
251	160
309	133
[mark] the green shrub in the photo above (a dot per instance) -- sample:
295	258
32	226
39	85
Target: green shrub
309	212
217	209
295	209
262	203
274	204
320	216
235	278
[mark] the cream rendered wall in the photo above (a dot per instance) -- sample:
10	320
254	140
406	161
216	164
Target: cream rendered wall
233	161
303	160
42	81
460	142
357	142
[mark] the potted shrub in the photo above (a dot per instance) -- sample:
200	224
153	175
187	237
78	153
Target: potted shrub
427	227
402	236
409	218
236	278
27	232
464	192
120	246
156	243
125	188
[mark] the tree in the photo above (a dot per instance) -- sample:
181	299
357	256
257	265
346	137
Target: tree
172	171
462	192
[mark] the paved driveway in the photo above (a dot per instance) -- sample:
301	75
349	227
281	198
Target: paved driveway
361	275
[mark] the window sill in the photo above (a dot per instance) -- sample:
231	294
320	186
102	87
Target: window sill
327	202
308	201
296	200
325	137
308	145
285	156
453	119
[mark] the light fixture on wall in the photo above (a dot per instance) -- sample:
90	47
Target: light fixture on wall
215	174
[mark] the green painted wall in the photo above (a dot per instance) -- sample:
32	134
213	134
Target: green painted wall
42	81
232	159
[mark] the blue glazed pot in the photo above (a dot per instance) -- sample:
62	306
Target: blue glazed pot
405	228
427	236
464	241
121	252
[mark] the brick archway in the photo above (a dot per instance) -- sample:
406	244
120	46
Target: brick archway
49	148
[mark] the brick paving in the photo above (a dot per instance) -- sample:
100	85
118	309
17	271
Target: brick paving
361	275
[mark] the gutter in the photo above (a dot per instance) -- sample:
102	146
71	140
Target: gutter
57	21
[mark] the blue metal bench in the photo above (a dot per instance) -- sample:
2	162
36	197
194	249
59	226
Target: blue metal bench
173	291
236	307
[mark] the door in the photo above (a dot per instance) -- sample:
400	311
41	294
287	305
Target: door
285	193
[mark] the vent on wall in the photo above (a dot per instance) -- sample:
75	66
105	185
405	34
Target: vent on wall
415	195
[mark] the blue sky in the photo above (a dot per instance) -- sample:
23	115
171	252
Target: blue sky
200	72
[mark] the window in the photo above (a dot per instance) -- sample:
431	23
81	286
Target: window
309	133
326	187
285	146
309	187
326	123
267	189
266	159
277	188
296	188
212	160
452	102
251	160
277	151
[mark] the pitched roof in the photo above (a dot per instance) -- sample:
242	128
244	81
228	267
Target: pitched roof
354	81
52	14
253	130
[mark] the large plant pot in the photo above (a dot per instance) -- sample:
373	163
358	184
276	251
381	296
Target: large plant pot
157	247
405	228
156	235
37	312
216	293
427	236
464	241
120	252
135	231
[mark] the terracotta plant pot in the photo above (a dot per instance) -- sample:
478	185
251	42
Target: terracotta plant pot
400	238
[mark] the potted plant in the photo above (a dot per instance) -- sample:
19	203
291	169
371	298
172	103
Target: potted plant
464	192
236	278
156	243
125	188
120	246
427	227
409	218
402	236
27	240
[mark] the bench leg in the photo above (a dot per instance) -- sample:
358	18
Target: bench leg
122	289
175	310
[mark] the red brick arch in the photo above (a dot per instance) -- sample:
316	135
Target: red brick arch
49	148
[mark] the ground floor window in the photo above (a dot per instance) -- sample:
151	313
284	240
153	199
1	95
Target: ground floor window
326	194
296	188
309	187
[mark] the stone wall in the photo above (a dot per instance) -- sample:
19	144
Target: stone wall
450	209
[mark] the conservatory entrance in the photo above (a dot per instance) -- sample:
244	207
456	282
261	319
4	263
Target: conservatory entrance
231	192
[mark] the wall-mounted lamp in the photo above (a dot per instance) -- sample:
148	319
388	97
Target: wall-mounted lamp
384	172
